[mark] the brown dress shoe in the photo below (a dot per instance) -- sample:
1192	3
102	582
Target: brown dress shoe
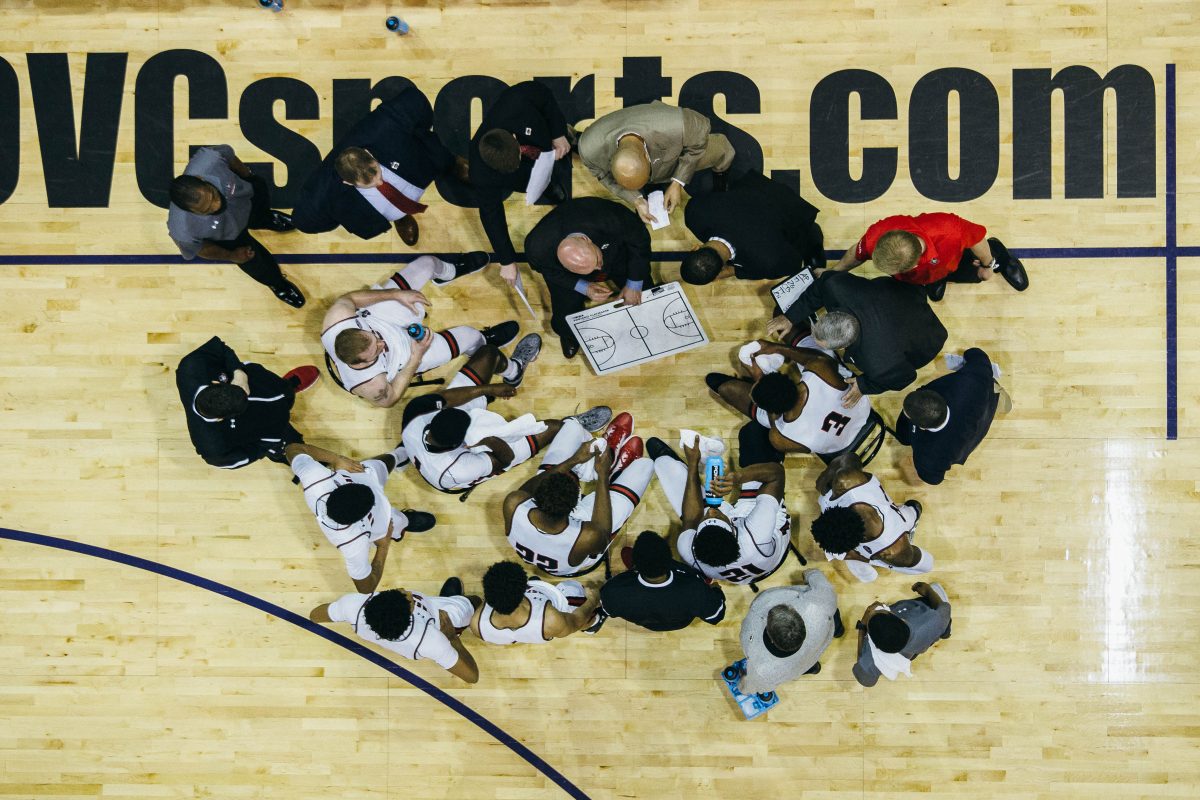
407	229
461	169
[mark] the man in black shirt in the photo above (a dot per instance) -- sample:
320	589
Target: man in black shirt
946	419
757	230
659	593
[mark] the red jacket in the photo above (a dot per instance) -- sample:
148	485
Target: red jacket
946	236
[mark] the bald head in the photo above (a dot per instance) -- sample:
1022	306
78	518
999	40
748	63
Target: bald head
577	254
630	166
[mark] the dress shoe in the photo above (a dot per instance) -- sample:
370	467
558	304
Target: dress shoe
1010	267
407	229
289	293
419	521
281	222
302	378
936	291
656	448
461	169
465	264
570	347
453	587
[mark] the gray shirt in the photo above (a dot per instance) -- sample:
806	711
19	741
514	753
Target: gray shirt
816	603
926	626
190	231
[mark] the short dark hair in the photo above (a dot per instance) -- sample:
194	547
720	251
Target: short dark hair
349	503
448	428
926	408
775	393
785	628
888	632
187	191
500	150
557	494
838	530
504	586
388	614
651	555
221	401
701	266
349	344
715	545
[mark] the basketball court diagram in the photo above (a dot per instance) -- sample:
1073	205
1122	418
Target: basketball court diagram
615	336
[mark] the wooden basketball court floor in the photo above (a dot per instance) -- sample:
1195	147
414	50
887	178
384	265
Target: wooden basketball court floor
1065	544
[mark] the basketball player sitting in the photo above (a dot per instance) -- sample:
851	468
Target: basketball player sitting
805	416
550	526
368	348
456	443
739	543
518	609
861	526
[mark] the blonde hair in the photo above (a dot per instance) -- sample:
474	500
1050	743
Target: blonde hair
896	251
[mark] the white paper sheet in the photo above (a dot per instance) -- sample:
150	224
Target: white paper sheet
539	178
657	210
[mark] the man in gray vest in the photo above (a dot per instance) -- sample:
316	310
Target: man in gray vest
890	637
214	203
786	630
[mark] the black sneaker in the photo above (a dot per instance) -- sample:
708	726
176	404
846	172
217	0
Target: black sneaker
595	627
502	334
524	354
281	222
656	448
453	587
289	293
418	521
936	291
815	669
716	380
465	264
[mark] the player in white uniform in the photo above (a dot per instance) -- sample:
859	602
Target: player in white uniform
437	429
520	610
740	543
367	344
417	626
547	522
861	526
803	417
352	510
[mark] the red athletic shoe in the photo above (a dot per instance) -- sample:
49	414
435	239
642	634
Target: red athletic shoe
303	377
629	452
620	429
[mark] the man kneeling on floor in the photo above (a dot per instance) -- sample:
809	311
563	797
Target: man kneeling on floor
521	610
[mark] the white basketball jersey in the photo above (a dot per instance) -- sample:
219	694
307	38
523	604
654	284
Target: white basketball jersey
762	539
547	551
389	363
871	493
450	471
824	426
529	633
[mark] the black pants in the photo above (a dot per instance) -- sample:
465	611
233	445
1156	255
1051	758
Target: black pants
263	267
754	446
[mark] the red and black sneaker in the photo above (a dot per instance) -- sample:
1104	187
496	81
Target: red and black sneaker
618	431
629	452
303	378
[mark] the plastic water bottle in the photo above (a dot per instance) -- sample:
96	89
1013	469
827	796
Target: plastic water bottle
396	26
271	5
417	331
714	467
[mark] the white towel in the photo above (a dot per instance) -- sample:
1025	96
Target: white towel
859	569
587	470
709	445
767	363
486	423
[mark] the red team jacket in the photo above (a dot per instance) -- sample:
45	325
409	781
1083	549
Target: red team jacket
946	236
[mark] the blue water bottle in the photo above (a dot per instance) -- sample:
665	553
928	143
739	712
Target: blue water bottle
417	331
271	5
396	26
714	467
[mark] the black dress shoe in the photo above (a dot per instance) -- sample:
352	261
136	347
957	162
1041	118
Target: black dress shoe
465	264
656	448
936	291
419	521
289	293
570	347
453	587
1010	267
281	222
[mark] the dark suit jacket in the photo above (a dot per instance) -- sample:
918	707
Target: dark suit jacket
972	399
899	331
399	134
262	430
767	223
529	111
611	226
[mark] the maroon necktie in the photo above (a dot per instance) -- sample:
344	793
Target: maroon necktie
405	204
530	152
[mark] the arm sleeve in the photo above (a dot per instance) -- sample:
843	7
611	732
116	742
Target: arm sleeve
969	232
696	128
712	608
810	300
904	429
865	671
928	470
189	249
539	96
202	366
233	458
761	521
977	361
357	555
894	377
495	225
424	404
637	242
226	153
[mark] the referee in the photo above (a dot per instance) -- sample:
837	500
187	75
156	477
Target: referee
659	593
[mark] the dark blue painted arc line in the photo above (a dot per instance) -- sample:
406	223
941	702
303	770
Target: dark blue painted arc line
1172	264
115	259
353	646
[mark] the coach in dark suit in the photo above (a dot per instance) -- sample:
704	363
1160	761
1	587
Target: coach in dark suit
886	329
397	135
946	419
524	122
581	247
757	230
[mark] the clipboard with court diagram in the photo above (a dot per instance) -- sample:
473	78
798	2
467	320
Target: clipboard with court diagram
615	336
